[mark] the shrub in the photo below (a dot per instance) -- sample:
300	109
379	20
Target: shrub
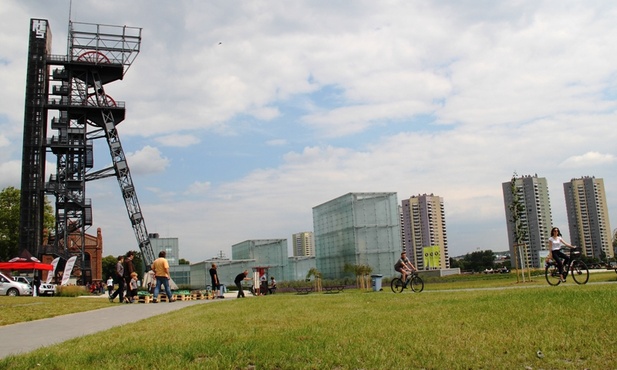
71	290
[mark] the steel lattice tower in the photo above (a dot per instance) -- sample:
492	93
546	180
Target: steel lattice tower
71	90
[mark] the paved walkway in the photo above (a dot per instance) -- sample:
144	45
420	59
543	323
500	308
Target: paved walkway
27	336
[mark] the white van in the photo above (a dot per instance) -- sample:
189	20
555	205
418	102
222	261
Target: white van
11	287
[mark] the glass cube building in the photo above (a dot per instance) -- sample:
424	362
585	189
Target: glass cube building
169	245
357	229
270	253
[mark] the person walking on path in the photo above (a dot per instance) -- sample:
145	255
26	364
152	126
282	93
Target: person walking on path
120	280
129	269
110	285
238	281
161	273
216	284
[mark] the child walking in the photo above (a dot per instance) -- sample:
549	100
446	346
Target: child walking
132	288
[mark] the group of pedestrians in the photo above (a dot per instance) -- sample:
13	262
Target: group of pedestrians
127	279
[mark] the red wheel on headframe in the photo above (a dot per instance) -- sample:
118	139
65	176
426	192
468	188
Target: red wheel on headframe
102	101
93	57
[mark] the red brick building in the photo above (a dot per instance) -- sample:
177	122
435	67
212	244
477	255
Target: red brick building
93	256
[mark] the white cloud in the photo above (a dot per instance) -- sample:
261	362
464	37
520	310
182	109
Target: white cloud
589	159
4	142
10	174
177	140
356	119
265	113
198	188
148	160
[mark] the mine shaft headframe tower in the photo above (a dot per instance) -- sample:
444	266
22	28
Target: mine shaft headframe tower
74	94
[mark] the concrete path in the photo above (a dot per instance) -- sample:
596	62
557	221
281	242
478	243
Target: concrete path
27	336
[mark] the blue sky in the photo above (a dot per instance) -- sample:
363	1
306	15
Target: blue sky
242	116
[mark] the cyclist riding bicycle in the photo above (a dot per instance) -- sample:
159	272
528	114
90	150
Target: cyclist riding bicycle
555	242
404	266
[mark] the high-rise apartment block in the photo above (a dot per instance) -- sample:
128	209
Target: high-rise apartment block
424	231
303	244
357	229
534	215
588	216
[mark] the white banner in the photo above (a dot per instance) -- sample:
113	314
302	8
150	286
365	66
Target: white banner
50	274
67	270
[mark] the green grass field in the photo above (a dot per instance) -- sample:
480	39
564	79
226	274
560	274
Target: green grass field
503	327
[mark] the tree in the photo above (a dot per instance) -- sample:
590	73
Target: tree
517	211
10	199
314	272
460	263
9	223
361	272
109	266
182	261
49	220
479	260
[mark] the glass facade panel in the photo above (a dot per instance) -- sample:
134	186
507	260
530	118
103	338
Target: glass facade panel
170	246
181	274
357	228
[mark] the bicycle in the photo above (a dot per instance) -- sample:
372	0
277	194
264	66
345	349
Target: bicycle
573	265
414	281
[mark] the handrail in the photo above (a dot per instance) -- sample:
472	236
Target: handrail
55	102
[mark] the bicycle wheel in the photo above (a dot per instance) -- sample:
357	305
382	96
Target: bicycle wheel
417	284
580	272
552	275
397	285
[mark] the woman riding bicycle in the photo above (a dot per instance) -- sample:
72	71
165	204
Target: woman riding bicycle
555	242
404	266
